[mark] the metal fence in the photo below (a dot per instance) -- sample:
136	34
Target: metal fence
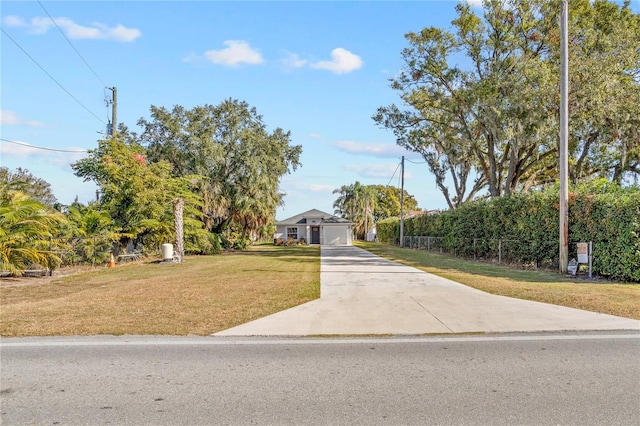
522	253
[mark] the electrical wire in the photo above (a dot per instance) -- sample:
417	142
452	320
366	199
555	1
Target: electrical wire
51	77
394	173
45	149
415	162
71	44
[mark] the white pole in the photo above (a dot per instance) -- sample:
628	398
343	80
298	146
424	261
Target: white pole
402	204
590	258
564	140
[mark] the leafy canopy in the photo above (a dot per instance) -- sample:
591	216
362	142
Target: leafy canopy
230	146
481	99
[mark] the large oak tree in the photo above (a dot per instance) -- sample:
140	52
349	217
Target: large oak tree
241	160
481	99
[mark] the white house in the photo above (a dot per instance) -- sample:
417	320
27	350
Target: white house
315	227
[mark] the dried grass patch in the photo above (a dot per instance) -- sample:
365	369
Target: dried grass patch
201	296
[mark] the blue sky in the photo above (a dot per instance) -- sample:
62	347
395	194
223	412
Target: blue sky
317	69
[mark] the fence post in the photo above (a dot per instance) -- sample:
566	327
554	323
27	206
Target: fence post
499	252
474	249
94	252
590	258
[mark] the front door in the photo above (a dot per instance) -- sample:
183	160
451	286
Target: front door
315	235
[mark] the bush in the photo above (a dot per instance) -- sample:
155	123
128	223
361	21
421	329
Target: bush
388	230
601	212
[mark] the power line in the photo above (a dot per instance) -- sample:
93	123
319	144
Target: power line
51	77
415	162
43	148
394	173
71	44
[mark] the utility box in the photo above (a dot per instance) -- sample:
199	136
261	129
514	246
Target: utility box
167	252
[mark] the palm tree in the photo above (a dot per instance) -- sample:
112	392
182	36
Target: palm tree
90	233
26	228
356	203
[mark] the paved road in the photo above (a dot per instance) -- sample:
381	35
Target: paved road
362	293
545	379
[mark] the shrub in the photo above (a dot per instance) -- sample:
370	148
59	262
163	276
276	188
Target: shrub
601	212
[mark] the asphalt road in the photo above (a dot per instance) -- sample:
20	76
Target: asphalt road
568	379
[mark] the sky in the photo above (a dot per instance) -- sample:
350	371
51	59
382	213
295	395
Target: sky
319	69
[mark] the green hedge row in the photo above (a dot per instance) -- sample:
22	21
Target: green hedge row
603	213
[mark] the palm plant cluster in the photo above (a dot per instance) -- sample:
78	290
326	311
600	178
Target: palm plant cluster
39	234
26	228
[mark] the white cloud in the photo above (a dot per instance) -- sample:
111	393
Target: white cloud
73	30
296	184
10	118
475	3
315	135
320	188
292	61
13	21
237	52
342	62
383	150
376	171
22	151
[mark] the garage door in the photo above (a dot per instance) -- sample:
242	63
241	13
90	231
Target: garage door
335	235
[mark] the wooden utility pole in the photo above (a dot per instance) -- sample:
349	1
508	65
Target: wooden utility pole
402	203
564	140
114	110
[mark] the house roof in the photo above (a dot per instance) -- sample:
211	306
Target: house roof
313	214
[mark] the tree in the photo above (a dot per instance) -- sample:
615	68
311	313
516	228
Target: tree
22	180
26	228
136	194
90	231
387	202
355	203
491	123
605	63
230	145
365	205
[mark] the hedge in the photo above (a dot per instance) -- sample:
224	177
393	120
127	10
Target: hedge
603	213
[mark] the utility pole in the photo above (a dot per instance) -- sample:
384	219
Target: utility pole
366	215
564	140
402	203
114	110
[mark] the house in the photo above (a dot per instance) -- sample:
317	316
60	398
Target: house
315	227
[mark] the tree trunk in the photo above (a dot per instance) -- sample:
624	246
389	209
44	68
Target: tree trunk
178	207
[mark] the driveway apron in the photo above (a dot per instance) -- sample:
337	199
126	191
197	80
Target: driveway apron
364	294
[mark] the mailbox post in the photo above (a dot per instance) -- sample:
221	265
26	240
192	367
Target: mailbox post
585	255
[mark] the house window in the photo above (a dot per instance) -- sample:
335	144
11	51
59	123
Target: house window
292	233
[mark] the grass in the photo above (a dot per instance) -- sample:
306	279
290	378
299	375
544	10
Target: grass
211	293
203	295
543	286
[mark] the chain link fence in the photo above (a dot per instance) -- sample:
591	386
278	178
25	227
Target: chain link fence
522	253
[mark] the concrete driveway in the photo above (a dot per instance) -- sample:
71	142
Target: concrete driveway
362	294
